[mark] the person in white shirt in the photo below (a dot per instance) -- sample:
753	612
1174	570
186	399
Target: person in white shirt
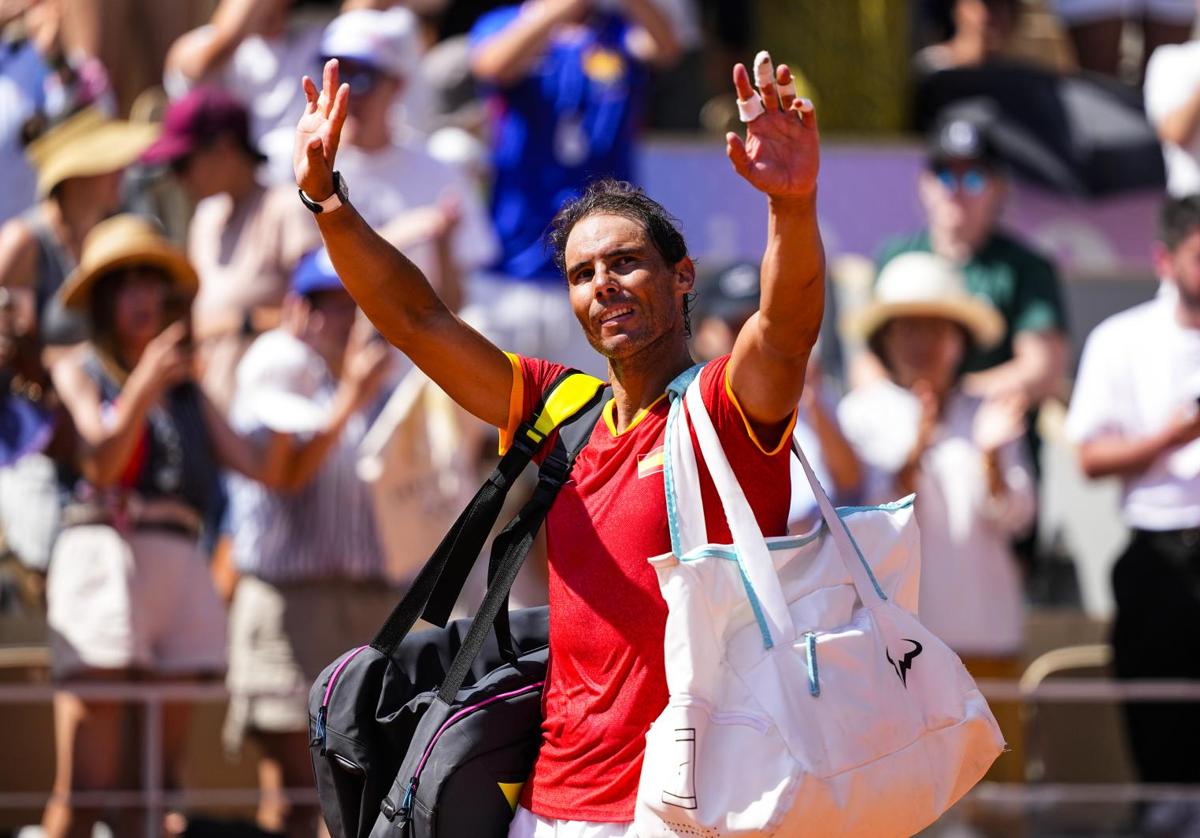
418	203
254	49
1134	416
918	431
1172	96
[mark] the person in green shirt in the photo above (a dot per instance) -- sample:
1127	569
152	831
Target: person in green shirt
963	189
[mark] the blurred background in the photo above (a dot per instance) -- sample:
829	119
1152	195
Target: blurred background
196	519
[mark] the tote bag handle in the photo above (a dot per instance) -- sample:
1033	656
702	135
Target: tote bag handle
753	556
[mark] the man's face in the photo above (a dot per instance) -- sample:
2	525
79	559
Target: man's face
625	296
1182	267
371	91
962	200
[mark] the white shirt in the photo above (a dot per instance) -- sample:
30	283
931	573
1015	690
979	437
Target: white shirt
386	184
1138	369
264	74
971	593
1172	76
325	528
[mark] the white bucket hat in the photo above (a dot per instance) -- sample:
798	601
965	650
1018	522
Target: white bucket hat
926	285
387	40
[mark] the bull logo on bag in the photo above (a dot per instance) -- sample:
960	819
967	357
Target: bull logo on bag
905	663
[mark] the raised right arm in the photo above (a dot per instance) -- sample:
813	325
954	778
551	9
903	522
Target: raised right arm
390	289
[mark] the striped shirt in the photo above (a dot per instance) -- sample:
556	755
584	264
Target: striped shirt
327	528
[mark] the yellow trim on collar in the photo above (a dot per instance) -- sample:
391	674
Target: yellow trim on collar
609	414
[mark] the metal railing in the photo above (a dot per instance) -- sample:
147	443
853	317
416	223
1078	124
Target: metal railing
156	801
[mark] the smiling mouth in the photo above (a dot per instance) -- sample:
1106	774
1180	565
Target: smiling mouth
615	314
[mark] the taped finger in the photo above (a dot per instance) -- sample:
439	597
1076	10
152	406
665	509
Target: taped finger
764	70
750	109
764	79
787	87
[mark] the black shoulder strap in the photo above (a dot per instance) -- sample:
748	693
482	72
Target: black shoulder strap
513	544
555	471
441	579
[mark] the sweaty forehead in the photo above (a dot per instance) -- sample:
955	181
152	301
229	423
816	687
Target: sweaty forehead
595	235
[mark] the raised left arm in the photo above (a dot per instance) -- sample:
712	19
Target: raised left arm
779	157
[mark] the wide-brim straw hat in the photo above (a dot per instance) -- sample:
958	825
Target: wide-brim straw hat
926	285
124	241
85	144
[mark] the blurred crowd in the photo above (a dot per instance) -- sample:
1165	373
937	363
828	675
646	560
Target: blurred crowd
213	467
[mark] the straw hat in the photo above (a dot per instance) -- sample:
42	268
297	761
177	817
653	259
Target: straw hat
123	241
86	143
926	285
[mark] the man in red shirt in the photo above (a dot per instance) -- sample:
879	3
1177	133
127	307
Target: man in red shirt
629	280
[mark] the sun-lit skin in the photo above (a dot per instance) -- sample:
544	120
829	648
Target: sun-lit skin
627	299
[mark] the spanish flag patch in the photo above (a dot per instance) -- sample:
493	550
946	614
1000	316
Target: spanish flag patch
650	462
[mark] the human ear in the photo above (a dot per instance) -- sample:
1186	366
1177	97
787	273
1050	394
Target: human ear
685	274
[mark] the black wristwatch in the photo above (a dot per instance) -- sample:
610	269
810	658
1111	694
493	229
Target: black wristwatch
341	194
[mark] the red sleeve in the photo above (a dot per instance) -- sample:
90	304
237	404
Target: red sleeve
729	419
531	378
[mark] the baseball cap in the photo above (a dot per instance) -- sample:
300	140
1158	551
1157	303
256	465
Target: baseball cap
385	40
314	273
959	138
195	120
729	292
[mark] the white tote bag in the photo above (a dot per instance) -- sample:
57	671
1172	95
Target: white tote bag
805	697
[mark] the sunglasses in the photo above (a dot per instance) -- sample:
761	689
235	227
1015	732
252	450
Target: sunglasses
968	181
361	77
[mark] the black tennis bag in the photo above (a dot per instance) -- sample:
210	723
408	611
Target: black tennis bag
433	733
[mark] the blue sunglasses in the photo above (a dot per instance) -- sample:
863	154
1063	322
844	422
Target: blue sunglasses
969	181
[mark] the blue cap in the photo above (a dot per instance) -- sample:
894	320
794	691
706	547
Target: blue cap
314	273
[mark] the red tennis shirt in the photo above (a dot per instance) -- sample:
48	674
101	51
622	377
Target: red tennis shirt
606	682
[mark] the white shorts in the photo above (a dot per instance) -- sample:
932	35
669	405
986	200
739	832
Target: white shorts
145	602
526	824
532	319
1076	12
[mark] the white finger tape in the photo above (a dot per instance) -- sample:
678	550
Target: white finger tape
788	89
764	70
750	109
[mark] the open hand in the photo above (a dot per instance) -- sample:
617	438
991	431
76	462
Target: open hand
319	132
781	153
166	361
999	421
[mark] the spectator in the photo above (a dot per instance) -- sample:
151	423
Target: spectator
1172	94
312	570
39	82
79	164
244	238
255	50
565	80
963	189
1134	417
920	431
978	30
725	301
1096	28
416	202
33	429
128	590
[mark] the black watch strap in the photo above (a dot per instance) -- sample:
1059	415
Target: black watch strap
341	194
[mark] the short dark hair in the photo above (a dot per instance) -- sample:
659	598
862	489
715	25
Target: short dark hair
609	196
1177	220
